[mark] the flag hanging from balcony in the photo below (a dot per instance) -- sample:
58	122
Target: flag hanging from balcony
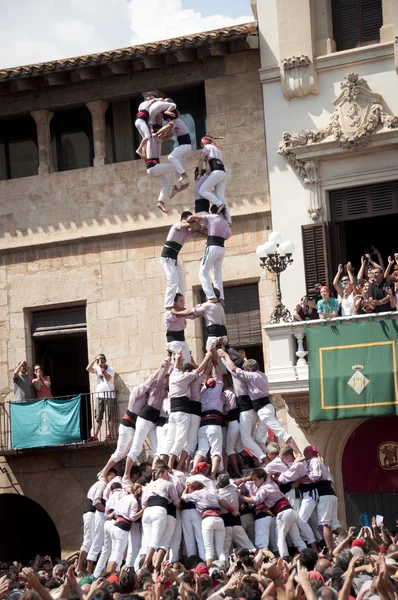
353	369
41	423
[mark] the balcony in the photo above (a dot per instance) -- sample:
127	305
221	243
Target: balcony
85	423
288	369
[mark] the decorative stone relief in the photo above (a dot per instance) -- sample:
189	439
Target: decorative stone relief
298	76
358	114
299	410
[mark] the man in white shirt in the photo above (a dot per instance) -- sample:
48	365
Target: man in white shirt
105	396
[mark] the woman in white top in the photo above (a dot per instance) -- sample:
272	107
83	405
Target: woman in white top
211	151
346	290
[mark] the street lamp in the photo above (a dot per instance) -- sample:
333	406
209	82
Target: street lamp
275	256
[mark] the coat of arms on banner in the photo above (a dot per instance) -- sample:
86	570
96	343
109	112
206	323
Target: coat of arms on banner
387	455
358	381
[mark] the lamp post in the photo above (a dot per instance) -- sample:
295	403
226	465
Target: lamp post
276	256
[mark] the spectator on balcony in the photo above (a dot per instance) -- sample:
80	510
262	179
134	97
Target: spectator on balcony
346	290
316	292
105	394
394	275
328	307
362	303
22	383
41	383
384	299
306	310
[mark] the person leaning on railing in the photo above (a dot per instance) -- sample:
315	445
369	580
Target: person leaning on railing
41	383
306	310
328	307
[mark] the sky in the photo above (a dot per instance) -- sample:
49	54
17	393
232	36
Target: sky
34	31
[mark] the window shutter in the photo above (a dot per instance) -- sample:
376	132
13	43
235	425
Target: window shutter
356	22
371	19
364	201
315	254
345	23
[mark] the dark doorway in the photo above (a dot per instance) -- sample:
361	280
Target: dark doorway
27	531
361	234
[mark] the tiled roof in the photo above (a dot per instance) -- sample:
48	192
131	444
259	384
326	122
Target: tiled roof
195	40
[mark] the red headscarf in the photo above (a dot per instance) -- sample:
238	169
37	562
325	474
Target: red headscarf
208	140
201	570
311	450
200	467
358	543
325	287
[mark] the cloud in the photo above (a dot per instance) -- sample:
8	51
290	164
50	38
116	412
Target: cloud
43	30
163	19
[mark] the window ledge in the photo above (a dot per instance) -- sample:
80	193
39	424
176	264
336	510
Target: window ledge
355	56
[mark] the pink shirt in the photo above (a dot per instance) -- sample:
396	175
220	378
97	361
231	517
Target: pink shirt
317	471
180	383
212	151
229	400
213	313
267	494
153	148
114	498
294	472
257	383
138	397
211	398
174	323
44	391
179	127
95	492
195	388
240	385
178	234
157	392
276	466
203	499
162	488
217	225
127	507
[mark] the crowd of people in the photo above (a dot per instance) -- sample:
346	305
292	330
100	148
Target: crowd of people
226	504
27	387
374	289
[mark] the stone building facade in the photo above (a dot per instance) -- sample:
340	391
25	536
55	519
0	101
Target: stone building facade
90	238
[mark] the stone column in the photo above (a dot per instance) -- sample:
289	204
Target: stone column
43	120
325	43
387	30
97	109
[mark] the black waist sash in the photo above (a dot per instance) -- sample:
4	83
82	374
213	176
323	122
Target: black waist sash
156	500
216	164
149	413
124	524
142	114
244	403
325	488
185	138
202	205
187	505
161	422
171	510
307	487
260	403
231	520
285	487
196	408
180	404
216	330
233	414
129	419
212	417
215	240
175	336
171	249
89	507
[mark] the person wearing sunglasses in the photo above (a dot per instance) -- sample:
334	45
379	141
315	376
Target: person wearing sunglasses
346	289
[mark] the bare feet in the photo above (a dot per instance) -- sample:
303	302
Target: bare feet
183	178
162	207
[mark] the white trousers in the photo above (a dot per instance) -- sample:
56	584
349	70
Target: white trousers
261	532
143	428
106	548
327	512
193	434
213	531
247	521
191	522
210	438
161	436
120	540
143	128
178	157
134	544
168	533
286	523
253	438
175	280
175	542
183	346
124	440
177	432
233	442
307	506
218	181
236	535
212	262
88	531
98	536
267	416
154	521
159	173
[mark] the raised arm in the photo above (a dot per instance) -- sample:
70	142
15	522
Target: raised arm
337	279
388	269
361	272
204	362
216	364
18	368
90	366
350	273
231	366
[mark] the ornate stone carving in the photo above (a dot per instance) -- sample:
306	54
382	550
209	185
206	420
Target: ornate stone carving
298	77
315	212
299	410
295	61
357	116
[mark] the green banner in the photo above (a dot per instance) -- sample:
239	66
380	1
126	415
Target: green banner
41	423
353	369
